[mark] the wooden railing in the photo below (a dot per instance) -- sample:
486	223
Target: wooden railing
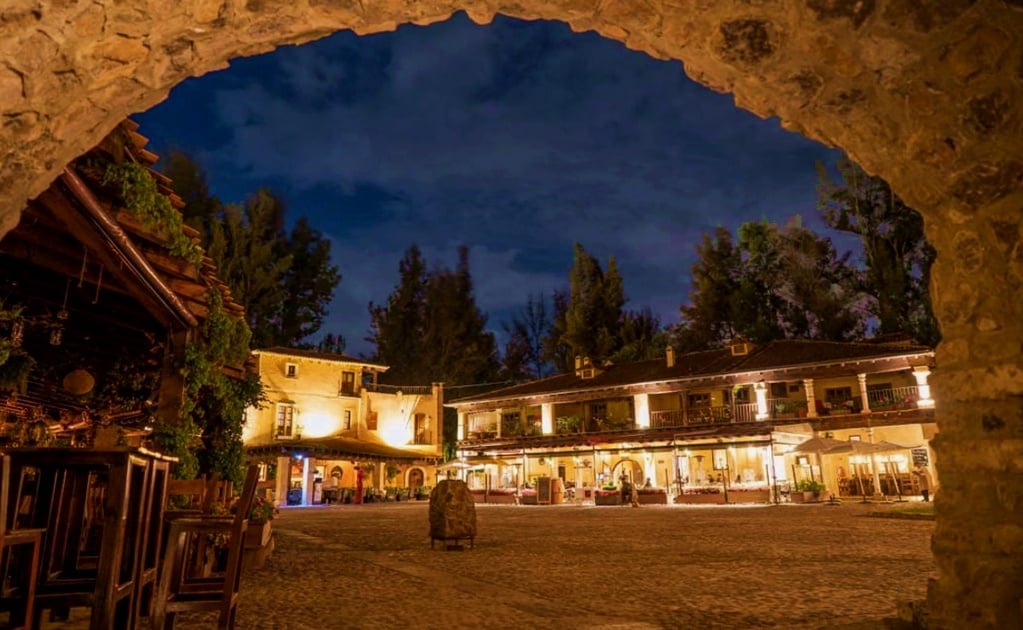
700	416
893	398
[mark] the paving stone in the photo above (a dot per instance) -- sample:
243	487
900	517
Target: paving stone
571	566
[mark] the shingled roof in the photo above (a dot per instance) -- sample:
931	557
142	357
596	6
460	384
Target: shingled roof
320	356
790	355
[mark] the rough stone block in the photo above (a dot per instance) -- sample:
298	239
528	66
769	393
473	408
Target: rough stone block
452	511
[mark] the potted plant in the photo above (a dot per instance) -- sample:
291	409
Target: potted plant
807	491
261	514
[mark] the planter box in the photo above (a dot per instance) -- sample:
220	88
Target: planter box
749	496
506	498
254	558
258	535
803	497
607	499
653	498
700	498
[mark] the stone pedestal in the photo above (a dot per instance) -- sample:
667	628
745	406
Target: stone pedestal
452	514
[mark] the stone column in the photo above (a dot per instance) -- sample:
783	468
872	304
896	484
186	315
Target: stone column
978	539
760	389
547	418
811	400
864	399
283	479
924	400
307	482
641	403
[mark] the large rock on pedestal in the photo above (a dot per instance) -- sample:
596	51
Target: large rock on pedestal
452	513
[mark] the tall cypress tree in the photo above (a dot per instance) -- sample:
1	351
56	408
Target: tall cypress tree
284	281
896	252
462	351
397	327
593	316
308	283
708	319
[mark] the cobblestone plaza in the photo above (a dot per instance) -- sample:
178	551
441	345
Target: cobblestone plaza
571	566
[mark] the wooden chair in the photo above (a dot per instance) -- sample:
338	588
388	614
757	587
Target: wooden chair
18	575
192	490
178	592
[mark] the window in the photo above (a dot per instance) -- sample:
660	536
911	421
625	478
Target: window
699	400
511	423
285	419
347	426
779	390
742	395
371	421
534	424
422	429
291	370
348	383
837	394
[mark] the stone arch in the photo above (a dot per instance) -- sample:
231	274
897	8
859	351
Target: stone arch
415	478
927	95
632	468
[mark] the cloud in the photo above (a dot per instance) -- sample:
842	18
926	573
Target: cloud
515	138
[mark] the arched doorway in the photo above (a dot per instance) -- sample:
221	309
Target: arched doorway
926	95
631	469
415	479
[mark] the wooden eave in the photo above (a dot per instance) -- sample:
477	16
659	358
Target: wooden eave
822	370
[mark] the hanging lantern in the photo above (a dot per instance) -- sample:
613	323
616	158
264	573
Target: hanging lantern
57	336
79	382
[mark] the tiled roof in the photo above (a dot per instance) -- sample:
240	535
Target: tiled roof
789	353
315	354
340	448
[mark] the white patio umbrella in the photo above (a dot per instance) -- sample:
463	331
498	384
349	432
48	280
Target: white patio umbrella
859	447
818	446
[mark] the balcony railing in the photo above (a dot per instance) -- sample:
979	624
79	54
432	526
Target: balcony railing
704	416
881	400
405	390
894	398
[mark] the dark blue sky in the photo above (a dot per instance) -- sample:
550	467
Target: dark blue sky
517	139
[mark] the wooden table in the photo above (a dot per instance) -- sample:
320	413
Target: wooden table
103	514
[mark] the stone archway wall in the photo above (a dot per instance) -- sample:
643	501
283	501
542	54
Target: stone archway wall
927	94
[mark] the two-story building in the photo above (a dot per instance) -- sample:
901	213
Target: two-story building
727	425
328	427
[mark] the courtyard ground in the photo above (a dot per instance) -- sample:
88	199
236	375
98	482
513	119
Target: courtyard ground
571	566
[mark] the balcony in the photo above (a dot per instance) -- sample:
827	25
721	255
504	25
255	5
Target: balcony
704	416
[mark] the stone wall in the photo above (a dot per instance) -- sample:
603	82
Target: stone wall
926	94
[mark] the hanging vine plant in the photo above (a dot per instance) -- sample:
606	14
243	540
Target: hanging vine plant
144	201
210	435
15	364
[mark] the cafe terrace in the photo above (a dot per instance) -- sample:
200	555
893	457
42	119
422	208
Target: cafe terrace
730	425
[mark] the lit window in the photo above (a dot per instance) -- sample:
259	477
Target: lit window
348	420
422	429
285	419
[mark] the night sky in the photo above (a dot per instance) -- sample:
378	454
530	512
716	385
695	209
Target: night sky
517	139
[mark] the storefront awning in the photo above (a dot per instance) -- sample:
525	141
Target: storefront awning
339	448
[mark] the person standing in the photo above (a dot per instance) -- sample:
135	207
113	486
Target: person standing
924	480
358	485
